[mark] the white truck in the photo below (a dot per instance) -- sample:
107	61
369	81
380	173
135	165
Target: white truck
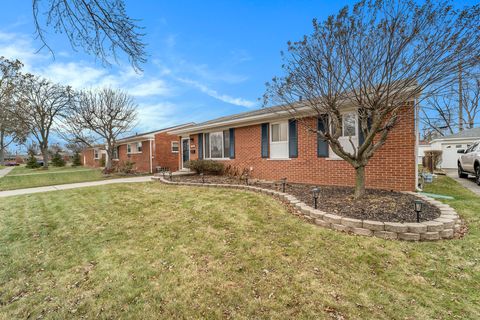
469	162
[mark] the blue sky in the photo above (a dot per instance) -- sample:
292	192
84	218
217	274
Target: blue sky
206	58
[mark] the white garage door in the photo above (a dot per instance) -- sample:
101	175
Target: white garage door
450	155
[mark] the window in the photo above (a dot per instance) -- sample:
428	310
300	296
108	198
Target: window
279	132
175	146
95	154
349	127
134	147
115	153
279	140
217	144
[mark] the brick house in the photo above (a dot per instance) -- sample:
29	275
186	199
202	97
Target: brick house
147	151
271	145
92	157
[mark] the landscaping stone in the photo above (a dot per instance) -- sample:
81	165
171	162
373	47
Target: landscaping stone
447	223
395	227
317	214
353	223
340	227
362	232
416	227
322	223
373	225
446	234
409	236
430	236
388	235
433	226
331	218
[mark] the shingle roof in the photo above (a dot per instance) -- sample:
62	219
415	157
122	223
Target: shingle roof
155	131
469	133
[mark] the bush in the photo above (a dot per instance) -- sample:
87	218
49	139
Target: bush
76	162
57	160
206	166
126	167
102	162
432	159
32	162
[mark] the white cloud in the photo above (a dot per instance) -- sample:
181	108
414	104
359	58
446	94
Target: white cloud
214	94
156	116
151	88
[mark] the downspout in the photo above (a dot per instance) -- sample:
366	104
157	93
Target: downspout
151	160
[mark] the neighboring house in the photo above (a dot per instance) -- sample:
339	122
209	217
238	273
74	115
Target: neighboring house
449	145
150	151
91	157
272	145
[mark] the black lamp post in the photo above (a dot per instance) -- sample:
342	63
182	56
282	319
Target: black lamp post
418	204
163	173
315	193
170	175
203	178
284	184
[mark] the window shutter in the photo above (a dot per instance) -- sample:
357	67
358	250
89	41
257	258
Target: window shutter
292	138
361	136
200	146
206	136
322	145
232	143
265	140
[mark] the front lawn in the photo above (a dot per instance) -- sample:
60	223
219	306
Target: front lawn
22	177
152	251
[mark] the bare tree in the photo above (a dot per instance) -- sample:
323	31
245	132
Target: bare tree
42	103
439	114
100	27
377	57
11	131
102	115
471	99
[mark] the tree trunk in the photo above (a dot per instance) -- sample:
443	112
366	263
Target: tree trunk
108	161
2	156
45	158
359	182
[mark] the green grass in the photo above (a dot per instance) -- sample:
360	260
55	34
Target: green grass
24	170
150	251
22	177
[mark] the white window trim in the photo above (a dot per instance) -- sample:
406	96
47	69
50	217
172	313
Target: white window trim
136	147
171	146
332	156
223	158
279	142
96	154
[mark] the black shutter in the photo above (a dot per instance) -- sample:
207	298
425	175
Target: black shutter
265	140
200	146
322	145
232	143
361	136
292	138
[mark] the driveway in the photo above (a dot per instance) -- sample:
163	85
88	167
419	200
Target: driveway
18	192
467	183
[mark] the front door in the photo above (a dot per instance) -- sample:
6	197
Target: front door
185	151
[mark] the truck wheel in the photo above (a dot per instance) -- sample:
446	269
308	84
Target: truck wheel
477	174
461	174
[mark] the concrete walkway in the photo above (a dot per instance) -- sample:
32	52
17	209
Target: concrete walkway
5	171
468	183
19	192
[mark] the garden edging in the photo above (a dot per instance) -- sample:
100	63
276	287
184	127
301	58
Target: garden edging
444	227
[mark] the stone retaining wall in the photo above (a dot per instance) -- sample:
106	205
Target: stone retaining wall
443	227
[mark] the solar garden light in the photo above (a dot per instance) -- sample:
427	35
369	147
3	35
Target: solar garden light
418	204
163	173
315	193
170	175
203	177
284	184
246	179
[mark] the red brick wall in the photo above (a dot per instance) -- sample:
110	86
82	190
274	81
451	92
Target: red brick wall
164	157
141	160
391	168
87	160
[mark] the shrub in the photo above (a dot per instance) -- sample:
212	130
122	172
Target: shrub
432	159
76	162
32	162
126	167
206	166
57	160
102	162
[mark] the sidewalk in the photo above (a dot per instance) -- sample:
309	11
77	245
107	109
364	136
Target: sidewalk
5	171
19	192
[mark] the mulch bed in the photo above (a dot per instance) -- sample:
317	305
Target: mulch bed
379	205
